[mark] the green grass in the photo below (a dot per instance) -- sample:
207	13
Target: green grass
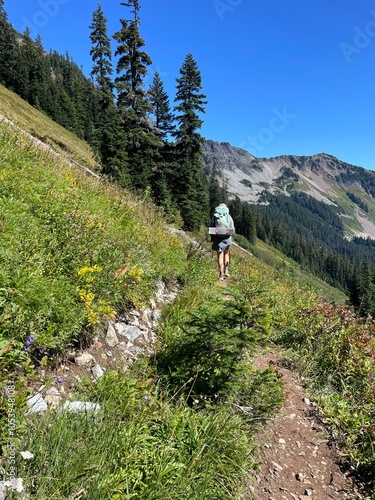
36	123
155	436
140	445
274	258
74	252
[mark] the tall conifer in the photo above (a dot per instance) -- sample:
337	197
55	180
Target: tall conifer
161	108
162	170
133	100
101	55
191	184
110	139
9	52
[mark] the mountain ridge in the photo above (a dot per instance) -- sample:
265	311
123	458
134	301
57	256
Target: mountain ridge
322	176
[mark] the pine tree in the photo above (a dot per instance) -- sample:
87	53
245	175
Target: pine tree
162	171
110	141
9	52
4	40
216	191
133	100
161	108
101	55
28	67
248	221
190	183
367	290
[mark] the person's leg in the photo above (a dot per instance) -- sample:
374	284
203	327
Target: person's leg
226	261
220	262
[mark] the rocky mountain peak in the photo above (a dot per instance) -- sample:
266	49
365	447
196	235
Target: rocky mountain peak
321	176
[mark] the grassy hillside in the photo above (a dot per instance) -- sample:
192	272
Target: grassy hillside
276	259
41	127
49	210
76	252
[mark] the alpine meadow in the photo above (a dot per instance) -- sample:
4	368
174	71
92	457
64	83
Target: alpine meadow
127	369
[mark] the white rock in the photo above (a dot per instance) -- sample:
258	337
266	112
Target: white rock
14	485
132	332
53	399
53	391
36	404
156	316
81	406
146	315
111	337
135	350
135	313
300	476
135	322
85	360
97	371
159	295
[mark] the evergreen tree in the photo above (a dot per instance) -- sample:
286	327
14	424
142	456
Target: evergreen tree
245	219
9	52
34	74
110	141
161	108
217	193
366	290
190	183
133	100
162	171
101	54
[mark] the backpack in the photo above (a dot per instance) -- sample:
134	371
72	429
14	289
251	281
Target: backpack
221	223
221	217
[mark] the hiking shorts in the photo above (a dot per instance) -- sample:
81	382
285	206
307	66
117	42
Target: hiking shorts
221	244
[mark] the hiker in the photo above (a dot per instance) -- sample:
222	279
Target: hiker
221	237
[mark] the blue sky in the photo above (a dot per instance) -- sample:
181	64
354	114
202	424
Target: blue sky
291	77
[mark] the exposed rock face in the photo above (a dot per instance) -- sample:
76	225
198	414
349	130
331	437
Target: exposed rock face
248	176
322	176
227	157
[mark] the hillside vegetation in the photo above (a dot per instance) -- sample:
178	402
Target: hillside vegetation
37	124
77	251
317	210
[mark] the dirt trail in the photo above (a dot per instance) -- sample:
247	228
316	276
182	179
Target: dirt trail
295	458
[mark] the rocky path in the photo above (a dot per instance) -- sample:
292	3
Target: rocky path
295	458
